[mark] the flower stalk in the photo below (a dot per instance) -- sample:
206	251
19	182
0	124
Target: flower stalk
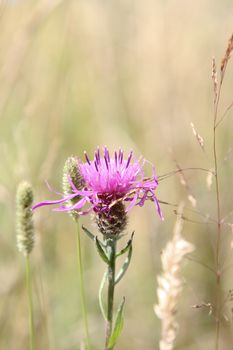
107	250
111	250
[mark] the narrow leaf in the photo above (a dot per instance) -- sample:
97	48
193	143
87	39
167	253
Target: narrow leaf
101	251
126	248
88	233
100	295
124	266
91	236
118	325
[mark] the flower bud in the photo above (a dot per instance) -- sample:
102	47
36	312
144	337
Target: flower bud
24	222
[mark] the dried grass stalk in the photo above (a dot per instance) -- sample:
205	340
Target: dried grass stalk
215	79
170	285
199	138
226	57
184	183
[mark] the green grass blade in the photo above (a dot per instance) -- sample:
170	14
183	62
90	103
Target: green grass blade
118	326
101	251
100	295
124	266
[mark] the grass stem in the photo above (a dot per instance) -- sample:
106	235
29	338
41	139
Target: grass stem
30	306
81	287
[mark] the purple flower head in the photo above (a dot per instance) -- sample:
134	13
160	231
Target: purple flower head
108	181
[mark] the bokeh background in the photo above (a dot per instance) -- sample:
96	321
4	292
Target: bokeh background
131	74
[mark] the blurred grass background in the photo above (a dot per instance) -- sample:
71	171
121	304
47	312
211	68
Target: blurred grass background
130	74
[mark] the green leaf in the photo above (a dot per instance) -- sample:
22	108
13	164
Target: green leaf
118	325
100	295
124	266
126	248
91	236
101	251
88	233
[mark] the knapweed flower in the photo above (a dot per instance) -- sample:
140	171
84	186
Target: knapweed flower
111	186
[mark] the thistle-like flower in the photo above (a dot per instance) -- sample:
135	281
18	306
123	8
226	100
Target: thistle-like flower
24	223
110	188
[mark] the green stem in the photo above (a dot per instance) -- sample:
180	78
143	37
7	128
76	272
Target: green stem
111	249
81	287
30	307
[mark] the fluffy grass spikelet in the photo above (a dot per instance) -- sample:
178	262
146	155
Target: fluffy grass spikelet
24	221
71	172
170	285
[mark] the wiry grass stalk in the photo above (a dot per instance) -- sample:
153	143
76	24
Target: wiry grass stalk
30	306
217	94
81	287
218	244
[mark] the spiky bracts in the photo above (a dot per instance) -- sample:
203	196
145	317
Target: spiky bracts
114	222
